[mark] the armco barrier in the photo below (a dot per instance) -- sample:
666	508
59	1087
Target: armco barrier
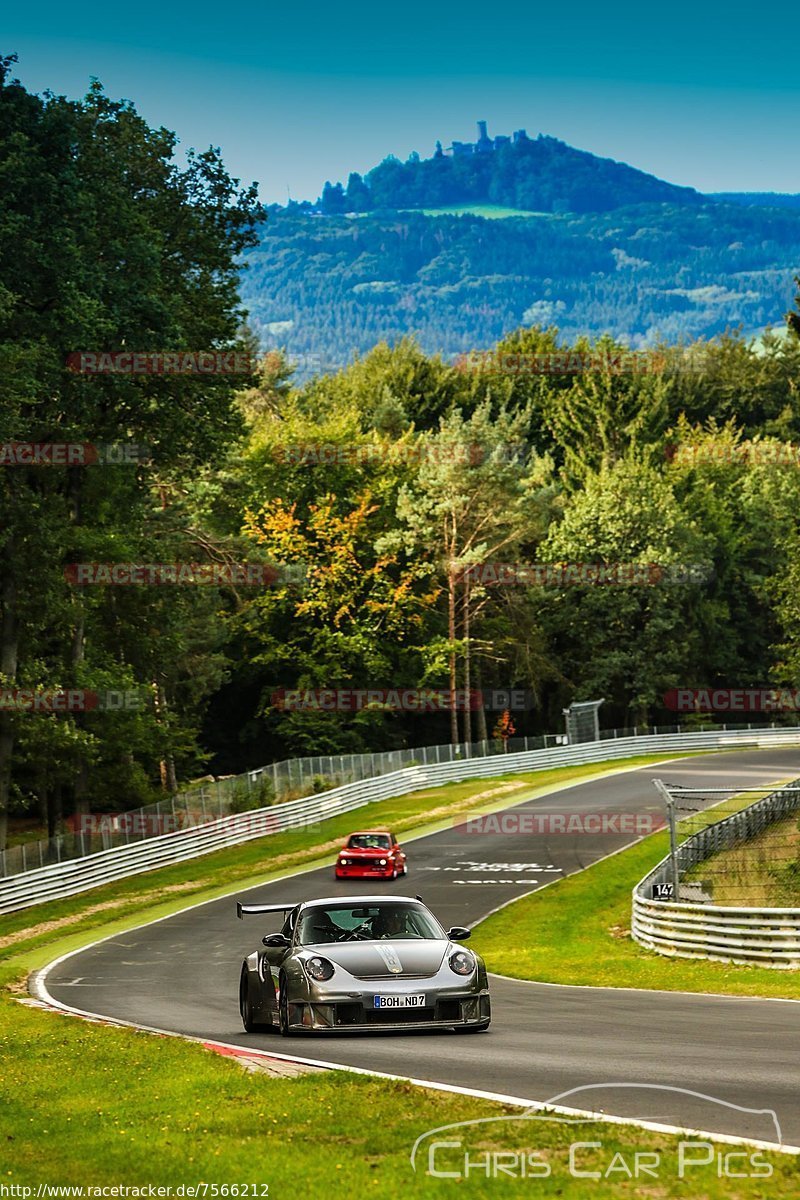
769	937
211	799
68	878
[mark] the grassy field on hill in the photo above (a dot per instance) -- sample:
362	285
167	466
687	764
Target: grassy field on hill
492	211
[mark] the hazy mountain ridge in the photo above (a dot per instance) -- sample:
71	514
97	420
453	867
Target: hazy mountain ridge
327	287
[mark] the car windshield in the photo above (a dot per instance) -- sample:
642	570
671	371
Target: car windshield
370	841
366	923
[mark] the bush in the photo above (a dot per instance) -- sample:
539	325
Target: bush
248	796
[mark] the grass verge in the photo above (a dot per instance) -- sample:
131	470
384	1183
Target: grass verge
88	1106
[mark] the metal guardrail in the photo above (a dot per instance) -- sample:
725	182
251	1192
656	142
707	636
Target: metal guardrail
61	880
257	788
211	799
769	937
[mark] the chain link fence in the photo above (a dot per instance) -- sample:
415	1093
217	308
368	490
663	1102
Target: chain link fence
210	799
275	783
729	889
732	847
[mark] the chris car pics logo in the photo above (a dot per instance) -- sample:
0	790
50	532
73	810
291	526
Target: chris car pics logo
521	1147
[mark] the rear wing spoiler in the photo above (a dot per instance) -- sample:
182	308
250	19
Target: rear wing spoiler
255	910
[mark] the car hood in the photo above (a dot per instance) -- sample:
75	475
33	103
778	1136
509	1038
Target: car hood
367	851
388	959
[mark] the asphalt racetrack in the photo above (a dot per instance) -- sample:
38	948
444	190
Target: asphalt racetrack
181	974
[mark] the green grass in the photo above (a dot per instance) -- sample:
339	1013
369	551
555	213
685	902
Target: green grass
22	831
577	931
89	1104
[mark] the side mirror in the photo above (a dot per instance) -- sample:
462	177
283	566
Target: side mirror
458	933
275	940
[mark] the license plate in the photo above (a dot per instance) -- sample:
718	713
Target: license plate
398	1001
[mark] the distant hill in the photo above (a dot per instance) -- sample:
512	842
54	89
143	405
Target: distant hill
461	249
539	174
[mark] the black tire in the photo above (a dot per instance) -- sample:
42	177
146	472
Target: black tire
484	1025
283	1009
245	1004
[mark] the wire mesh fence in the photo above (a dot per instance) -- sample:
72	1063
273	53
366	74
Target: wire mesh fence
733	847
210	799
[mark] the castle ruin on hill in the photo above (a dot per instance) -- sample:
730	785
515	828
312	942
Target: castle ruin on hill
484	144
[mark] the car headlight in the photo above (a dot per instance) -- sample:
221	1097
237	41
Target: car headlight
462	962
343	861
383	862
318	968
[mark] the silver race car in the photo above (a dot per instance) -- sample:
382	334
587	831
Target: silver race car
361	964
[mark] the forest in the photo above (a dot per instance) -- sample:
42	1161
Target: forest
326	288
382	525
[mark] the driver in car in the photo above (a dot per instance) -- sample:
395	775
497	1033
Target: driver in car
390	923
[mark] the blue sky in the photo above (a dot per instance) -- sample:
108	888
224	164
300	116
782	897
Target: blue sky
700	94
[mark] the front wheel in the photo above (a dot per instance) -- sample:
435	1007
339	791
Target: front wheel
283	1009
246	1004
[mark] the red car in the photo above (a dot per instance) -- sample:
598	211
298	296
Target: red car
371	854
